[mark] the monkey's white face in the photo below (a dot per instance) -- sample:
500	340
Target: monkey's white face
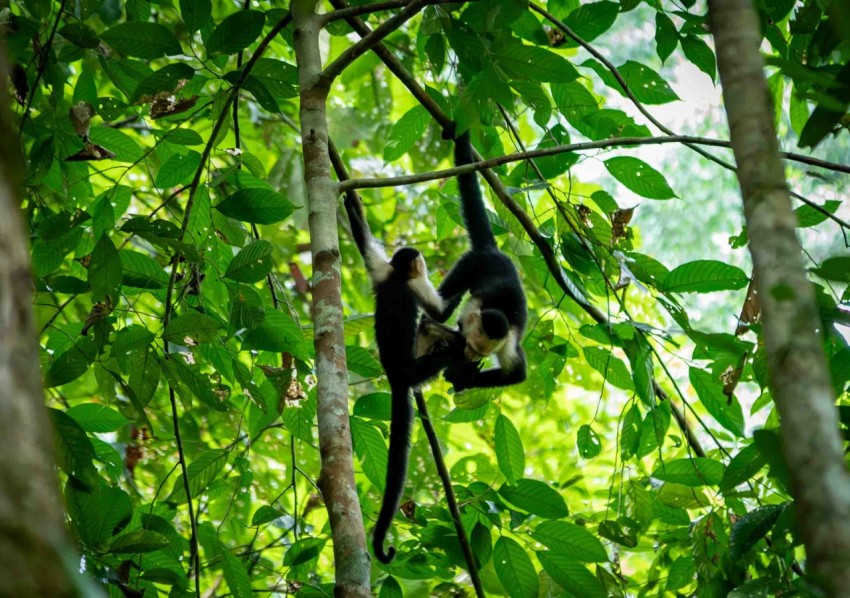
478	344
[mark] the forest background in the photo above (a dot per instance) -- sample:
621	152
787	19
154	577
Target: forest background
181	279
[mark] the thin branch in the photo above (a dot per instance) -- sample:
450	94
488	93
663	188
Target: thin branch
373	39
194	555
42	65
525	155
356	11
443	471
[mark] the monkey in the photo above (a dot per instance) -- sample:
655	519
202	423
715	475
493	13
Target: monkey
494	318
401	286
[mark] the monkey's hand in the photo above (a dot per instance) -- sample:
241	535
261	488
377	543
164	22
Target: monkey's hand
462	374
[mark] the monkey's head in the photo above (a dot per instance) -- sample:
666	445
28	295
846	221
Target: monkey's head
408	263
486	332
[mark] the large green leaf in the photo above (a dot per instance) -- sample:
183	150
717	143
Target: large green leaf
509	450
535	64
94	417
236	575
105	273
704	276
536	497
257	206
141	271
371	450
142	40
165	79
252	263
200	328
196	13
405	132
640	177
726	410
751	528
236	32
514	569
201	473
591	20
97	513
571	575
743	466
696	471
571	541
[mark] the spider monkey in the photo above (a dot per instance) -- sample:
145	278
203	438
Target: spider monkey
401	285
494	318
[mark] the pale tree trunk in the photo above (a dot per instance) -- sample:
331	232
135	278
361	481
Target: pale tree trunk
352	563
798	376
33	546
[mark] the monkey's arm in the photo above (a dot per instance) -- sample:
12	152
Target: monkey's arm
457	282
465	375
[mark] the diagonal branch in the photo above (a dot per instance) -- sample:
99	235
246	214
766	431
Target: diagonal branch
356	11
373	39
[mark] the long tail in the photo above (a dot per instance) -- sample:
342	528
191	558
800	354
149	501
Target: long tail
474	214
400	427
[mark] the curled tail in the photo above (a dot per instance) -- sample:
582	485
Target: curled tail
474	214
400	427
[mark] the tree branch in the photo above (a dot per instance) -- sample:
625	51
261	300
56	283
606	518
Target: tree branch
373	39
356	11
443	471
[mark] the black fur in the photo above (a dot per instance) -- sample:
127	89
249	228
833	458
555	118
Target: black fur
490	278
396	314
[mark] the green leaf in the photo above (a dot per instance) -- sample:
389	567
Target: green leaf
125	147
303	551
132	338
252	263
666	36
588	442
265	514
640	177
726	410
808	215
571	575
68	366
514	569
141	271
390	588
589	21
75	450
371	450
535	64
743	466
405	132
144	376
195	13
377	405
97	513
236	575
168	78
200	328
188	381
646	85
277	333
704	276
700	54
202	472
361	362
247	310
142	40
257	206
510	453
571	541
752	527
536	497
80	34
105	273
693	472
835	268
682	573
613	370
236	32
94	417
178	170
138	541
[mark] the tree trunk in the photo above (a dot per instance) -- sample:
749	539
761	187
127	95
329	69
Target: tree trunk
33	546
797	369
351	558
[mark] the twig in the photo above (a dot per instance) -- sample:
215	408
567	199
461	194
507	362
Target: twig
42	65
373	39
356	11
443	471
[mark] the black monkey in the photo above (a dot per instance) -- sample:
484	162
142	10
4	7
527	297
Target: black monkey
494	318
401	285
